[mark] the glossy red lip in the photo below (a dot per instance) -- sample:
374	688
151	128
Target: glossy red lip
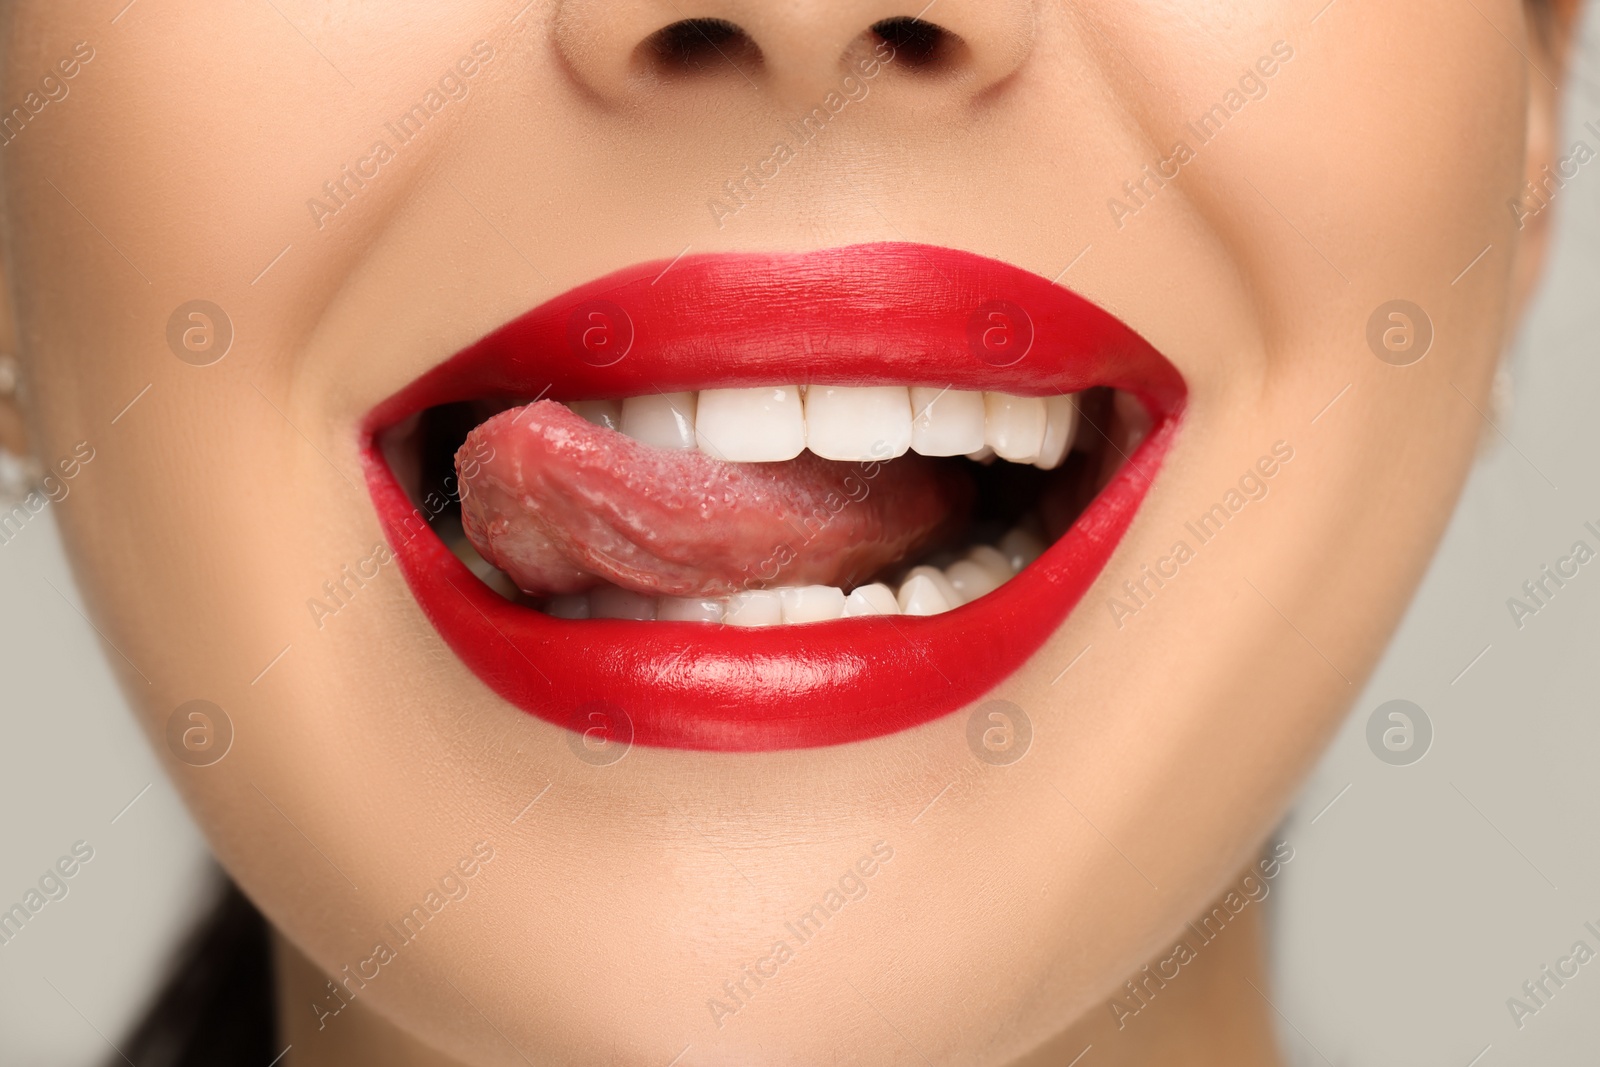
865	314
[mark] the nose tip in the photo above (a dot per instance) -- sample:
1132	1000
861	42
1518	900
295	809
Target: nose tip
622	49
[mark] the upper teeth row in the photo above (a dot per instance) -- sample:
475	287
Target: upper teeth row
845	422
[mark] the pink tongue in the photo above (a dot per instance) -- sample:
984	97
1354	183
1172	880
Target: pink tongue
561	505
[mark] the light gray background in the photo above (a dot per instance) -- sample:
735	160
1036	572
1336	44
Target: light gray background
1417	903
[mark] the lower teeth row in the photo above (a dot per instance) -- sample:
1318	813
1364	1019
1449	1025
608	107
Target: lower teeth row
923	590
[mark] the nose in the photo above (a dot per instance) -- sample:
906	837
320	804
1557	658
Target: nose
792	51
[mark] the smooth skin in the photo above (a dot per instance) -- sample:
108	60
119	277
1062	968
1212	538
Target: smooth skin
367	761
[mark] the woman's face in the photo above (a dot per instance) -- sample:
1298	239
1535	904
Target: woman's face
1334	161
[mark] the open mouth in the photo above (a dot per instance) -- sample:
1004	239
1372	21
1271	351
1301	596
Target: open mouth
765	501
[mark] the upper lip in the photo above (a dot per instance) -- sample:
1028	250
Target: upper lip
892	313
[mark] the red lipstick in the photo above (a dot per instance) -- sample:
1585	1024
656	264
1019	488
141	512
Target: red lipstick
902	314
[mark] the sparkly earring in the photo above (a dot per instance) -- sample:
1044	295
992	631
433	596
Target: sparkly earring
19	475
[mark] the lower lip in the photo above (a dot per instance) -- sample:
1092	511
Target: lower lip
724	688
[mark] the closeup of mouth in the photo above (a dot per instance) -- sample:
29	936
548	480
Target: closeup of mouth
761	501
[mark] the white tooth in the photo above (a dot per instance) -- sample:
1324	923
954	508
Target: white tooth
937	577
992	560
607	413
858	423
569	606
688	609
613	602
665	420
971	580
1014	426
1133	417
920	595
463	549
946	422
984	455
495	578
1061	419
759	607
487	572
874	599
811	603
762	425
1021	548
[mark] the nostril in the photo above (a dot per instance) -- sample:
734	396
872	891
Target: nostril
915	42
699	46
